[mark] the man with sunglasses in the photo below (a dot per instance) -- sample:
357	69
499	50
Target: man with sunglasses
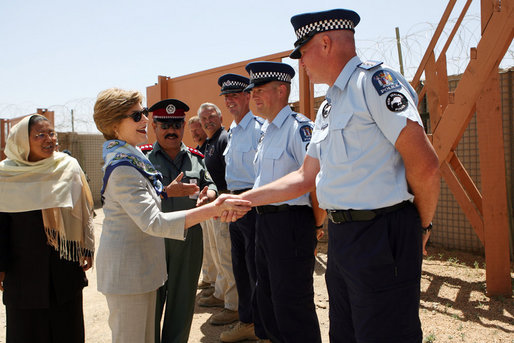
184	167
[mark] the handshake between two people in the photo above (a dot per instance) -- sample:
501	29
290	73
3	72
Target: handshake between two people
229	208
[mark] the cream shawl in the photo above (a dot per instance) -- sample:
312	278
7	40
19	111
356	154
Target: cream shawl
57	186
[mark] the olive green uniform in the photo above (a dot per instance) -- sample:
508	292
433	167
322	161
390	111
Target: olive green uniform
183	259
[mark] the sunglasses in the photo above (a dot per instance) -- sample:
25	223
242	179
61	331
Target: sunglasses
174	124
137	115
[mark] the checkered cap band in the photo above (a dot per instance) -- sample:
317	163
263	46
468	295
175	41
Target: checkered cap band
285	77
234	84
325	25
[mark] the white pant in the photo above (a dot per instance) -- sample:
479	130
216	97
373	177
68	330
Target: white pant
225	286
209	272
132	317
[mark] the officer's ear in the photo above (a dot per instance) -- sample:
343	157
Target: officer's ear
326	44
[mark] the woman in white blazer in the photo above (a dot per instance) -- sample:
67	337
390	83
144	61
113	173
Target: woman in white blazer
131	263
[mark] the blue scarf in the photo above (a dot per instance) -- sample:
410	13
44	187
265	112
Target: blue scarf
119	153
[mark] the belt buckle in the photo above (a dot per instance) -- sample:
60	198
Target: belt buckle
338	216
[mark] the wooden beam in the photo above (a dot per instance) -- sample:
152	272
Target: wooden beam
494	184
462	198
433	42
467	182
306	101
493	45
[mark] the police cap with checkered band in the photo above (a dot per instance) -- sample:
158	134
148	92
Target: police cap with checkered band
306	25
264	72
168	110
233	83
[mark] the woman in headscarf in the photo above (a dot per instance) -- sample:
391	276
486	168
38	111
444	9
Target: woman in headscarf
131	261
46	236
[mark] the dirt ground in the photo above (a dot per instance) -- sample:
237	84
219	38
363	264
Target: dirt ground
454	306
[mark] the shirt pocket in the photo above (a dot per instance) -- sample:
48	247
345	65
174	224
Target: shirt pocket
337	144
242	157
272	166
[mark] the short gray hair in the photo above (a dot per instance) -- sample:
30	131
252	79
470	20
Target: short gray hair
209	105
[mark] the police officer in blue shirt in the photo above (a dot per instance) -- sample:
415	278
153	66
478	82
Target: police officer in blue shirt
243	137
376	174
285	230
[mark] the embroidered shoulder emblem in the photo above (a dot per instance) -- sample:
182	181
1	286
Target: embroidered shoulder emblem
195	152
367	65
306	133
396	102
384	81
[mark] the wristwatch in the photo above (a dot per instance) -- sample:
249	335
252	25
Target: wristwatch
427	229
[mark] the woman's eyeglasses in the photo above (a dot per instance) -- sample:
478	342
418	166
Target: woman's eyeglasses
137	115
42	135
174	124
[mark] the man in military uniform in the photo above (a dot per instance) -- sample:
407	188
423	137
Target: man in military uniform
244	134
184	168
285	230
376	174
225	291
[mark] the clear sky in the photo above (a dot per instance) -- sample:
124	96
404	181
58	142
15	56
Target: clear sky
59	54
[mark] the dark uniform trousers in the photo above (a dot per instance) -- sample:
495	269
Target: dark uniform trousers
285	243
184	262
242	238
373	278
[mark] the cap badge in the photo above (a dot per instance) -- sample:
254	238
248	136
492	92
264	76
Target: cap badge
170	109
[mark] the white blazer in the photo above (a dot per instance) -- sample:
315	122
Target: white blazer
131	257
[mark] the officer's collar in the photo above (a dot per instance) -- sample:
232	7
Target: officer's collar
346	73
281	117
244	122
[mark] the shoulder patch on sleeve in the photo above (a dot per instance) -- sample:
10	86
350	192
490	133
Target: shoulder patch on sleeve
396	102
367	65
306	133
384	81
300	118
195	152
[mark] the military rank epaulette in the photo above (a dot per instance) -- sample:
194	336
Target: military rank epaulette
367	65
300	118
195	152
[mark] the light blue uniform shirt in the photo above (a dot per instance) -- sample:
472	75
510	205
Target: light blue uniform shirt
360	167
282	149
243	139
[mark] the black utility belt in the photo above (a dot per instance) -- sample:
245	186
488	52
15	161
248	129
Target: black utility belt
346	216
239	191
279	208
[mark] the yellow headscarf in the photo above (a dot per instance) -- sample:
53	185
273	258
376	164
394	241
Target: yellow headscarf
57	186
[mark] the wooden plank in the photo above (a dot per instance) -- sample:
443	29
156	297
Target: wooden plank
442	81
494	184
491	49
306	101
463	200
433	42
467	182
434	107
